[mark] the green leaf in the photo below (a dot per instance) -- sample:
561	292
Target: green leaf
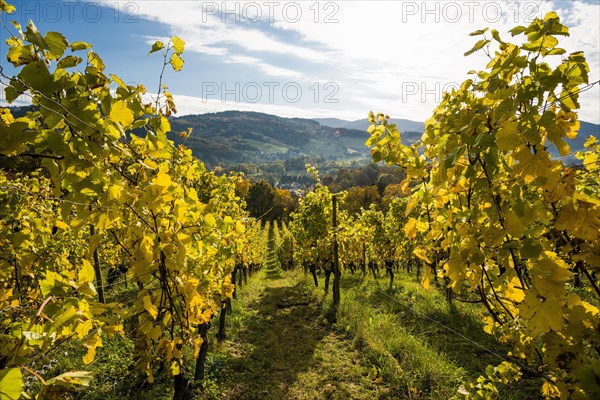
176	62
96	61
69	62
530	249
477	46
517	30
569	100
80	46
33	36
496	36
63	383
57	44
20	54
38	77
11	383
483	140
158	45
14	90
479	32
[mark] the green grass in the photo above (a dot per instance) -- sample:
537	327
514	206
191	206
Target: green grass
395	329
280	347
267	147
399	343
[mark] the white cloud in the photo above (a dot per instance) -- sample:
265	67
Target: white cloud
376	51
195	105
266	68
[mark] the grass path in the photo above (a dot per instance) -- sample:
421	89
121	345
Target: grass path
280	347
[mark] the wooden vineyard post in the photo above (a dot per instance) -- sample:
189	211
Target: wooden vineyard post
336	263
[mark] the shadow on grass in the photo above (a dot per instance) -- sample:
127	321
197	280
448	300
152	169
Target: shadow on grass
279	343
351	281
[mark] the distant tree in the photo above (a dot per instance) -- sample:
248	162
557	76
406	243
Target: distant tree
344	179
372	171
361	178
388	179
295	163
283	204
390	193
276	168
361	197
260	200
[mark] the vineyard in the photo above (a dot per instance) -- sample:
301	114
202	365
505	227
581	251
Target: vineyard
123	259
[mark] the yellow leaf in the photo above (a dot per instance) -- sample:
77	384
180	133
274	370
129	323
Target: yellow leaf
178	44
590	159
175	368
154	333
422	226
513	224
581	219
86	273
162	179
176	62
84	328
514	291
422	254
121	113
410	228
11	383
550	391
426	281
549	274
507	137
115	192
197	343
573	300
239	227
146	249
91	343
62	225
150	307
541	313
562	146
179	210
209	220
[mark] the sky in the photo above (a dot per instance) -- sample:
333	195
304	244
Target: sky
337	59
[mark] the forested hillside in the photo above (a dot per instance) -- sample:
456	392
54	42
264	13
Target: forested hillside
247	137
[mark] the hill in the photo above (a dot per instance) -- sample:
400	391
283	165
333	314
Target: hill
405	125
408	129
250	137
233	137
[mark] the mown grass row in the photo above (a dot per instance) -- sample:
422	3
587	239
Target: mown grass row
420	343
384	344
